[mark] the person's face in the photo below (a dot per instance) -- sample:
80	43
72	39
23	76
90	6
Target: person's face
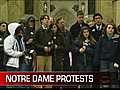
61	23
86	33
45	21
110	30
3	27
80	18
50	20
31	24
20	33
54	28
91	24
98	20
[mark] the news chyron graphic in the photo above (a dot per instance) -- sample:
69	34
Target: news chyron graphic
49	78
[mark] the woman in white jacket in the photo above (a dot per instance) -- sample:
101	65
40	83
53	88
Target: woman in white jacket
14	48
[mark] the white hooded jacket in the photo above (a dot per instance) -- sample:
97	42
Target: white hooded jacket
11	46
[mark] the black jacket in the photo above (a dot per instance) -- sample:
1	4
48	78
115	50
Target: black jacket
2	37
107	49
29	32
75	29
41	39
85	58
69	40
96	34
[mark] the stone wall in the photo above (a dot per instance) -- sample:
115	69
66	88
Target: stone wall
3	10
13	10
117	13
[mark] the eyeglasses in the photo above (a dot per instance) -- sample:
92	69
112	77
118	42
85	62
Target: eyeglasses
3	26
46	18
110	27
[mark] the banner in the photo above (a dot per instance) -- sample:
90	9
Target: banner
49	78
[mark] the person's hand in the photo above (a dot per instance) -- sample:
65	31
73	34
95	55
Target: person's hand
25	52
29	41
47	49
56	46
84	47
81	50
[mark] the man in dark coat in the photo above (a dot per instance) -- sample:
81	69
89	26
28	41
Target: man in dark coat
75	29
96	30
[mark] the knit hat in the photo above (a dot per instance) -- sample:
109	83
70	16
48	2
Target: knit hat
2	21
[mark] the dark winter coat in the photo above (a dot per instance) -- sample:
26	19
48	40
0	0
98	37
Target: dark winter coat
107	49
29	32
2	37
69	40
85	58
41	39
75	29
95	33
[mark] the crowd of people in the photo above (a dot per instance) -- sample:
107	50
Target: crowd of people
94	46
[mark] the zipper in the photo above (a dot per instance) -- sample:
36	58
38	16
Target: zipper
85	59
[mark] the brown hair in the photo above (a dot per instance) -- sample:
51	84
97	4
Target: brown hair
52	24
82	38
105	27
57	21
42	17
80	13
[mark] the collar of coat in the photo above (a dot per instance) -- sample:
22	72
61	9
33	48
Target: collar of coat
115	36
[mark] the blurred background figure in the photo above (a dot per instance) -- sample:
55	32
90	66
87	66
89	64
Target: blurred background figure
118	29
51	19
90	22
23	24
110	20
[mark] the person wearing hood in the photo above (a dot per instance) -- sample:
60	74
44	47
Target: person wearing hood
28	39
14	48
29	31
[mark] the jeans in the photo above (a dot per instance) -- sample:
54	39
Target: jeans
12	69
83	68
109	65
